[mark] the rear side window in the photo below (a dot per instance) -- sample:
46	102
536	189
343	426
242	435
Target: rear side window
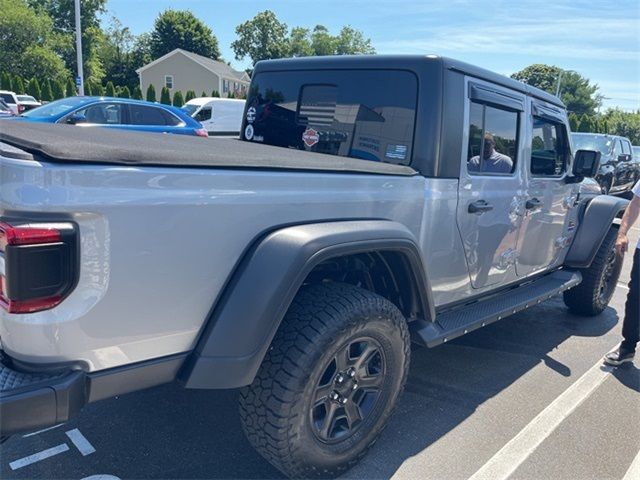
352	113
204	114
492	140
548	148
7	98
626	148
143	115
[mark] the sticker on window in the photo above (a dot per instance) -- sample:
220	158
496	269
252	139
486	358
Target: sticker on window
248	132
251	115
310	137
397	152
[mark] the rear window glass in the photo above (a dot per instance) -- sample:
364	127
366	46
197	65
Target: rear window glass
144	115
356	113
7	97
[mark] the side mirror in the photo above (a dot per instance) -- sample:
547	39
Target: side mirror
76	118
586	164
624	157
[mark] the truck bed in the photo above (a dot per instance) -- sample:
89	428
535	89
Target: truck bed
89	145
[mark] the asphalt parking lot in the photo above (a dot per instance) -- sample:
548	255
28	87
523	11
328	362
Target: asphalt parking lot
525	398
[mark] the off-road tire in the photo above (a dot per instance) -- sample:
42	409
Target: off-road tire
276	409
587	299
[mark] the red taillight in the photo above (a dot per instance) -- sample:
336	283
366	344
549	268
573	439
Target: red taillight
201	132
20	108
39	265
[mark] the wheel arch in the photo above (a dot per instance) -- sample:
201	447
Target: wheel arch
598	215
245	318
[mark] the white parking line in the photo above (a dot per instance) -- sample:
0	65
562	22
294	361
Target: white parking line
80	442
36	457
41	431
634	470
518	449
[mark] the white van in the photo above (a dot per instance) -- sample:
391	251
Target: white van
219	116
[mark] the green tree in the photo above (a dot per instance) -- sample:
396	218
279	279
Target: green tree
576	92
626	124
165	96
151	93
215	93
203	94
46	95
137	93
182	29
124	92
189	96
57	89
178	101
300	42
5	81
231	95
352	42
110	90
574	122
18	85
261	38
42	62
97	89
33	88
322	42
70	88
585	123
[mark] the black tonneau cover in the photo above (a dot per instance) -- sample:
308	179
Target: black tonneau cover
95	145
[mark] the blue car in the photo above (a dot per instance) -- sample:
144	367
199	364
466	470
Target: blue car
121	113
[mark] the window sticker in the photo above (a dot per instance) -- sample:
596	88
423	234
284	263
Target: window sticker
310	137
397	152
251	115
248	132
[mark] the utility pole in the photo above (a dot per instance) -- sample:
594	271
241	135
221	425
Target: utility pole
559	83
80	77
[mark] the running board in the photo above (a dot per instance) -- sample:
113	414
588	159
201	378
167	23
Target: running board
464	319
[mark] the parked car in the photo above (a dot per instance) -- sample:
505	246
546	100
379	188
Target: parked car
11	99
299	274
617	172
121	113
5	109
635	154
28	102
219	116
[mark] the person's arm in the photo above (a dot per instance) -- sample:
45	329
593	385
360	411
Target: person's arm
629	218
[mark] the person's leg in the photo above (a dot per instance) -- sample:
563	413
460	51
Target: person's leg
631	323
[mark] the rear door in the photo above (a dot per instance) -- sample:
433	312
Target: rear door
546	229
491	183
151	119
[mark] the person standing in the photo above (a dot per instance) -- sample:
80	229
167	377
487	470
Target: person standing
631	324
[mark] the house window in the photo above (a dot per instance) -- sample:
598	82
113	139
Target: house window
168	81
225	86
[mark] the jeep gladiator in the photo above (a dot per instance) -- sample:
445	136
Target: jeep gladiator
371	201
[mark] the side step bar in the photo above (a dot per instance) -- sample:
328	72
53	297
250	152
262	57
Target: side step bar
461	320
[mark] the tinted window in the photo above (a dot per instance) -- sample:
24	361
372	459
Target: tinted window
103	113
145	115
492	140
7	97
355	113
204	114
548	148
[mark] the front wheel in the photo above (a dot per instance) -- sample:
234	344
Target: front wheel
329	383
599	281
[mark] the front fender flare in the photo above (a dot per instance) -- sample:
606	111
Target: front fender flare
596	221
247	315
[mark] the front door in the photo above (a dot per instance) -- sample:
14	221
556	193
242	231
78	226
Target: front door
546	230
490	189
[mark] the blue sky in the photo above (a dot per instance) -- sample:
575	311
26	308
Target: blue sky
598	39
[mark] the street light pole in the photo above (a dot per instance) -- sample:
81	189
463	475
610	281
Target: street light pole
80	79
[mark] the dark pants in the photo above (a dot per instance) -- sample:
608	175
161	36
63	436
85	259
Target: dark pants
631	325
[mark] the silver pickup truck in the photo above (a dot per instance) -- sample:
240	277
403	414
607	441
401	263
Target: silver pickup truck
371	201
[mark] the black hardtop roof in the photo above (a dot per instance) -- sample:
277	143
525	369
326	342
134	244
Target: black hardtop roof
410	62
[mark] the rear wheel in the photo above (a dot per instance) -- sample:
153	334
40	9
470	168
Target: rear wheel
329	382
592	296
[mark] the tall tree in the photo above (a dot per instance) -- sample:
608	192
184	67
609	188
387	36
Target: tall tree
5	81
322	42
70	88
137	93
33	88
300	42
57	89
151	93
182	29
190	95
110	90
124	92
46	95
18	84
576	92
353	42
178	101
261	38
165	96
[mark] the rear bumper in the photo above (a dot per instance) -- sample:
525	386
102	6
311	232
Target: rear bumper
34	400
29	401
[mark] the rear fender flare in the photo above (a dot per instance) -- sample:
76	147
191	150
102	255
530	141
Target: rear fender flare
247	315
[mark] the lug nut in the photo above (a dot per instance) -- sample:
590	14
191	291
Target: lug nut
352	373
334	396
355	386
343	400
340	378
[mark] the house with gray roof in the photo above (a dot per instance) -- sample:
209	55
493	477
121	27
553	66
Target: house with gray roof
180	70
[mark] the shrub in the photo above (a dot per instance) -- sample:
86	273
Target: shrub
151	94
